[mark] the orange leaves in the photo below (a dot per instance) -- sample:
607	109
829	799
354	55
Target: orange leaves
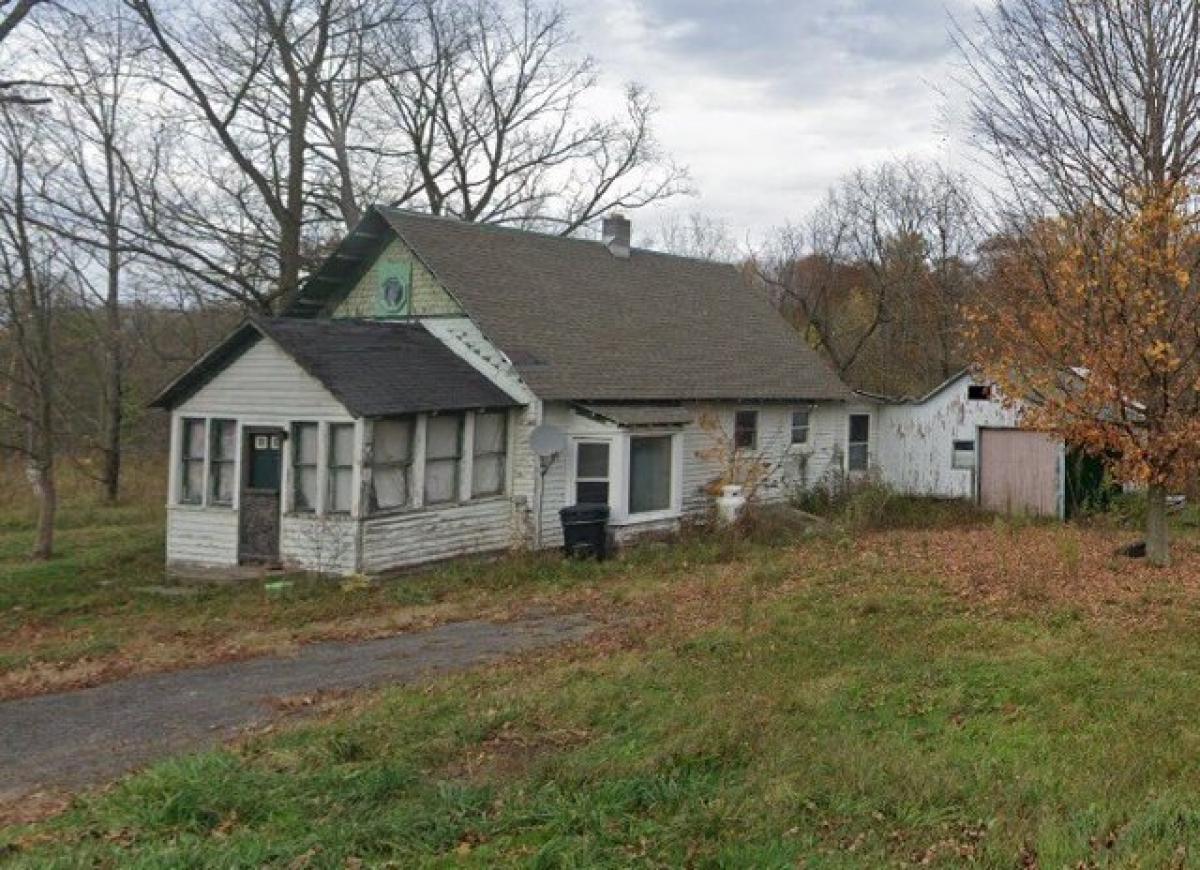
1093	315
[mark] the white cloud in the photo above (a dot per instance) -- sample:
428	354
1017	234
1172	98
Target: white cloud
768	101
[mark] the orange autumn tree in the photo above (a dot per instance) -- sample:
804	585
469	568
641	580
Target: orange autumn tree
1094	317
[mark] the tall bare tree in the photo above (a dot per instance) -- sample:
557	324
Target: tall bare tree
15	90
475	110
1092	110
96	128
29	259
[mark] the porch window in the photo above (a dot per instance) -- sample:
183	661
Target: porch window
591	472
391	463
649	474
859	442
341	467
745	430
489	454
443	454
800	426
305	455
963	455
191	487
221	466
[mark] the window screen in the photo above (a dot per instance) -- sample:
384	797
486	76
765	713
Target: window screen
649	474
391	463
443	450
304	467
341	467
491	448
860	436
745	430
591	473
191	488
222	464
964	454
800	426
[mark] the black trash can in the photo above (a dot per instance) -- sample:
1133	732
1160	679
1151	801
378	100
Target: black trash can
585	530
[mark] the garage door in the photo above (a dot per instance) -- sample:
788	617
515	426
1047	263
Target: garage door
1020	472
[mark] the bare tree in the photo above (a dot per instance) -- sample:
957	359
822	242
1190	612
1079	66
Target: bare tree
247	75
96	133
474	111
877	273
1092	110
28	262
694	235
12	13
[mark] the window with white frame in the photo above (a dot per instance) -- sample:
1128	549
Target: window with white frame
305	467
443	454
489	453
591	472
191	471
391	463
341	468
650	473
963	455
800	426
745	430
223	461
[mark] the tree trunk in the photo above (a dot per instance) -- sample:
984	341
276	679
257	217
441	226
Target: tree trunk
43	484
115	376
1158	546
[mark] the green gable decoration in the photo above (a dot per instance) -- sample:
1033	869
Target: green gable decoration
394	288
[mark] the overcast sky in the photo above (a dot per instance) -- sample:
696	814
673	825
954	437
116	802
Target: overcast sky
768	102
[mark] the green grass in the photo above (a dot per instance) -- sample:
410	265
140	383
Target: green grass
864	718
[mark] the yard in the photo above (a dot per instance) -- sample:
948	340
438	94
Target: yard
937	690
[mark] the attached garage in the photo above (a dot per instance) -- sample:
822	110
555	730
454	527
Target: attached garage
1022	472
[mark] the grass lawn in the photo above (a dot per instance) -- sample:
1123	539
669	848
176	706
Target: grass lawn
1001	693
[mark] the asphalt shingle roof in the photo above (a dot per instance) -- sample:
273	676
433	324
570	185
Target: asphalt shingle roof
374	368
582	324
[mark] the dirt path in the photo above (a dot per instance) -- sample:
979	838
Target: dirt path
90	736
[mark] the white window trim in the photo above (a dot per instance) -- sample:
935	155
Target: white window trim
573	467
954	464
808	432
869	442
675	510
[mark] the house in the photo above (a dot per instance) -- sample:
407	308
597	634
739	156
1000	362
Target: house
385	419
962	440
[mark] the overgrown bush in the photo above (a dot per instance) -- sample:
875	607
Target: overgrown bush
872	505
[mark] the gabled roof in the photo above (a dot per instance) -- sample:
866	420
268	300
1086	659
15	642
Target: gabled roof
374	368
581	324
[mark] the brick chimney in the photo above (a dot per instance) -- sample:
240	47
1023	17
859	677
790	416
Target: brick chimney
616	234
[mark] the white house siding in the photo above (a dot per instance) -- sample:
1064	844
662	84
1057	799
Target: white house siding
202	536
264	386
917	440
428	536
329	545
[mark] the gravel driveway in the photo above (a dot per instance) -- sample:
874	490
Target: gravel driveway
90	736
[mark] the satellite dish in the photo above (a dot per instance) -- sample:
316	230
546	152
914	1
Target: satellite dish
547	441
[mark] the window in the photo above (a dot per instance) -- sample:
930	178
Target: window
800	427
341	467
591	472
391	464
305	455
860	437
964	455
649	474
979	392
191	481
221	466
491	447
745	430
443	451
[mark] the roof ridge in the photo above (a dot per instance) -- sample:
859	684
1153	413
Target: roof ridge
521	231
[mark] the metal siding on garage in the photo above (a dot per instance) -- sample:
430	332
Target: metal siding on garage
1020	472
